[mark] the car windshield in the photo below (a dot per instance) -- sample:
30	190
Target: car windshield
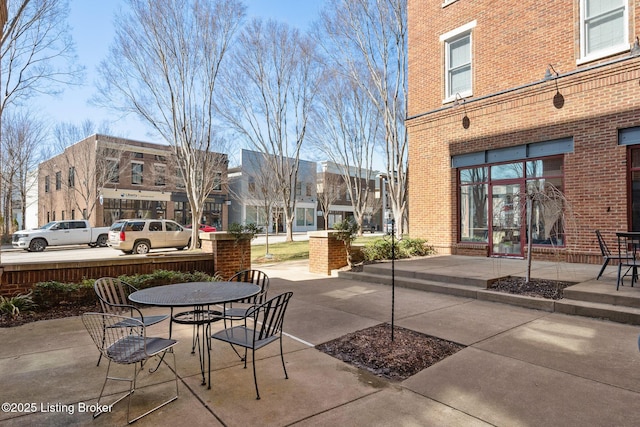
116	226
48	225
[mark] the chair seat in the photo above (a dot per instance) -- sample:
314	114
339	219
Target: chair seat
197	317
242	336
236	312
131	349
146	321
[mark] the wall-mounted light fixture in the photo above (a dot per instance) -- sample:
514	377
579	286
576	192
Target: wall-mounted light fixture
558	98
466	122
635	49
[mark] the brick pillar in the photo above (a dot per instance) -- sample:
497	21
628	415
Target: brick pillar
326	253
227	253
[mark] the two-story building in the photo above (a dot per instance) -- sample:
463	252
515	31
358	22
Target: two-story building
104	178
251	183
509	96
331	179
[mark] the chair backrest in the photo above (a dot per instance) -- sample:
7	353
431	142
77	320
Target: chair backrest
628	246
603	245
268	317
256	277
119	338
113	295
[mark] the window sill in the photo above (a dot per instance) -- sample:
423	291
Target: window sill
603	54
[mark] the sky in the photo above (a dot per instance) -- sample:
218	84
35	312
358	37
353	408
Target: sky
91	22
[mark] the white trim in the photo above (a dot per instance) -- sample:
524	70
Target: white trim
446	3
463	29
604	52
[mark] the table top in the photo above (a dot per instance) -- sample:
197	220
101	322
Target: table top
194	293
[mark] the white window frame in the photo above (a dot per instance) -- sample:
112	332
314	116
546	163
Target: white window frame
447	38
141	164
447	2
612	50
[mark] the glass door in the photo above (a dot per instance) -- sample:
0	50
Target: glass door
506	225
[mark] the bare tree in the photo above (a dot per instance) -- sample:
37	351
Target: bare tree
88	165
267	98
331	187
367	39
37	53
345	128
163	67
22	134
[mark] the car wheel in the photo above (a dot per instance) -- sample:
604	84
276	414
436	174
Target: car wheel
37	245
142	247
102	241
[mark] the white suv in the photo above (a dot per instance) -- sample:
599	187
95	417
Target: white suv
141	235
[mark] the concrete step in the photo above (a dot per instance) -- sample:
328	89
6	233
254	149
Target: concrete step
413	283
586	299
614	313
384	269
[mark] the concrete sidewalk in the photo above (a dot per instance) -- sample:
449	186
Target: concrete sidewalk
521	367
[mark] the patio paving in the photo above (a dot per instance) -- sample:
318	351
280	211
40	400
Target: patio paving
522	367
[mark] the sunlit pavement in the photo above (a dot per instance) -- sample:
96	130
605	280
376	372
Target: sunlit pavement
521	367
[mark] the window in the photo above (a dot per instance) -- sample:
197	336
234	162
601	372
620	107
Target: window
309	189
458	76
217	183
72	176
503	184
159	172
473	204
137	155
113	171
136	173
47	184
298	189
73	214
304	217
63	218
179	179
58	180
604	28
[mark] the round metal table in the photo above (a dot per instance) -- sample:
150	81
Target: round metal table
198	295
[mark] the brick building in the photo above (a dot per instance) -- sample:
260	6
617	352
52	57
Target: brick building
523	94
104	178
330	178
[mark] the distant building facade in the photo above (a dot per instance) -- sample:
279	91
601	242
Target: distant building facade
330	175
247	199
104	178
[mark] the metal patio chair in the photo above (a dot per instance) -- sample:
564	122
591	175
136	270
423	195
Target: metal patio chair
123	340
268	318
606	253
113	295
256	277
628	247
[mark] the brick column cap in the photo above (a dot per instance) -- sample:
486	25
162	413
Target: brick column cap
322	233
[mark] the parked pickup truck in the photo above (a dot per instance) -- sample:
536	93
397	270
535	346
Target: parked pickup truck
59	233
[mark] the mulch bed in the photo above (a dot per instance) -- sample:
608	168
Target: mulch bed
372	349
60	311
542	288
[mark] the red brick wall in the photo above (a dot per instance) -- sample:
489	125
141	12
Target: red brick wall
19	278
326	253
512	46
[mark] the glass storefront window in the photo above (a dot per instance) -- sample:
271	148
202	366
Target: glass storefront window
507	171
505	182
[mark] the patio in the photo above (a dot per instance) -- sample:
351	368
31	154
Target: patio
520	367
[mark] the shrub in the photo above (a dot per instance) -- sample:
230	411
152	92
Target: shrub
14	305
167	277
380	249
51	293
347	230
416	247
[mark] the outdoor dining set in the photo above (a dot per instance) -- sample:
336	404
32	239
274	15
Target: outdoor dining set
120	329
627	256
